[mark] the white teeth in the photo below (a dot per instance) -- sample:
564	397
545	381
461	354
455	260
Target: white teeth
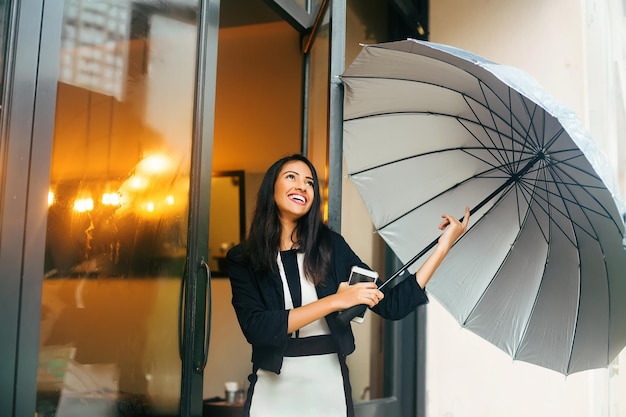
298	198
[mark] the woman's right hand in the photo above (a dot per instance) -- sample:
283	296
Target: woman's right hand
346	296
360	293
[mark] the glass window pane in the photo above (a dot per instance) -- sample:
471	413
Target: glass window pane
118	205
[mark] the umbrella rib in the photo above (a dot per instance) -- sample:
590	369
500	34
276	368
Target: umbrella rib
417	207
458	118
532	189
488	286
511	119
602	249
534	141
511	180
465	149
574	231
486	128
548	238
438	151
547	203
502	167
503	154
584	188
576	201
529	196
493	278
460	93
511	113
575	236
531	126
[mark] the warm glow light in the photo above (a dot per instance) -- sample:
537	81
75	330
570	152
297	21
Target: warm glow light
138	183
154	164
150	206
111	199
169	200
50	198
82	205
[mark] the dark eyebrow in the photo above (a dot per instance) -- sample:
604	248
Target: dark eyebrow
297	173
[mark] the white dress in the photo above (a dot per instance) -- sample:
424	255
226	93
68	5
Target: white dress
307	386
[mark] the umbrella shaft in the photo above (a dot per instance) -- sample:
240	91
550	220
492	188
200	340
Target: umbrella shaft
512	179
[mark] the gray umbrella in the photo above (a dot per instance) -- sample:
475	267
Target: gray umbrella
541	273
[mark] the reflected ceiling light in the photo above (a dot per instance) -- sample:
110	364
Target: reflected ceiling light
138	183
154	164
50	198
150	206
111	199
82	205
169	200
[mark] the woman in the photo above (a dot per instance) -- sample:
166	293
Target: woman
289	282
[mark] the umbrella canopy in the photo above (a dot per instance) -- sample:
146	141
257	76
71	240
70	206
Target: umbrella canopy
541	272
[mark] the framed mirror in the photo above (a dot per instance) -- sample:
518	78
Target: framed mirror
227	225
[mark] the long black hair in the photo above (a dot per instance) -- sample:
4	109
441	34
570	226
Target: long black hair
263	242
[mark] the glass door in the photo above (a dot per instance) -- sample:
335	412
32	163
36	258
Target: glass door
386	369
125	287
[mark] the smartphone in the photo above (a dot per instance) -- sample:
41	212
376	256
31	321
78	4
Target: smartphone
358	274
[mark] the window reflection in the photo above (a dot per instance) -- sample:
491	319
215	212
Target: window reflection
94	54
97	228
117	209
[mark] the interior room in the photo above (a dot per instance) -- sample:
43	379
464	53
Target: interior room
120	183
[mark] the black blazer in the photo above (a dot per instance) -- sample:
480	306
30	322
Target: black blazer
259	303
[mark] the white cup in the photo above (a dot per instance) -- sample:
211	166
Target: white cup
230	389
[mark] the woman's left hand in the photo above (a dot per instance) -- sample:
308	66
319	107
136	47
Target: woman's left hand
453	228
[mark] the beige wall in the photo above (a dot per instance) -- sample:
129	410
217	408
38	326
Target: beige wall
255	65
467	376
544	38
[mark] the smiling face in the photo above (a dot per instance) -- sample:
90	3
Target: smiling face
294	191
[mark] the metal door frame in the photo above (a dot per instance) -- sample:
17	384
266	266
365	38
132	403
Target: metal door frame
197	312
27	125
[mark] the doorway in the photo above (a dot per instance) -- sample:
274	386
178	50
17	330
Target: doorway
126	201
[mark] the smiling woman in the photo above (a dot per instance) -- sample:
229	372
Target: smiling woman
288	283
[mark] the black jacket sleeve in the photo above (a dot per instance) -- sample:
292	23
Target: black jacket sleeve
259	305
401	298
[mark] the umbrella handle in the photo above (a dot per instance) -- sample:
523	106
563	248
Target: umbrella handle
344	317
